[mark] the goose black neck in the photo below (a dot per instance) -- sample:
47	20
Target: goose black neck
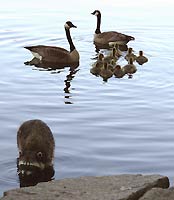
72	47
97	31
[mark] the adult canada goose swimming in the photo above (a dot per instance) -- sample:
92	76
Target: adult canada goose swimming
57	54
104	38
141	59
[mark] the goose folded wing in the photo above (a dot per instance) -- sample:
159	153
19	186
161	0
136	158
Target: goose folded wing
112	36
48	51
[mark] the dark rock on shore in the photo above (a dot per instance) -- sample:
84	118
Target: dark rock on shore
119	187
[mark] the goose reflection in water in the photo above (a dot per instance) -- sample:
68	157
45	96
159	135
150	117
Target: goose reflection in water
52	66
67	81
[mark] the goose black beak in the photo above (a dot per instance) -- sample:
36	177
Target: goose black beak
74	26
93	13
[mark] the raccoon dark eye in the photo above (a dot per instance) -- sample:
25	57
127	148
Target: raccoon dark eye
39	154
20	153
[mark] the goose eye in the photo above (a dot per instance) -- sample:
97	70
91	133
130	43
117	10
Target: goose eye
39	154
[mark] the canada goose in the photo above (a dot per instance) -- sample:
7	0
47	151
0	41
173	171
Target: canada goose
130	68
105	73
119	72
141	59
57	54
130	54
104	38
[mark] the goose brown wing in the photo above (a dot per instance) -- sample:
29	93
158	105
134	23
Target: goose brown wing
49	51
112	36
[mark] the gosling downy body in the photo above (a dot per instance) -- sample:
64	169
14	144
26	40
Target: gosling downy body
119	72
103	38
96	69
141	59
105	73
130	68
57	54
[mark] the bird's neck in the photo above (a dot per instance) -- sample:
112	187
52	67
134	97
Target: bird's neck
131	62
72	47
97	31
105	66
113	52
141	53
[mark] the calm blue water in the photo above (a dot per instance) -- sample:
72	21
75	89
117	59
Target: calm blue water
100	128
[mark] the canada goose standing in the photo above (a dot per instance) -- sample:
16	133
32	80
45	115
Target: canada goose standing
57	54
141	59
104	38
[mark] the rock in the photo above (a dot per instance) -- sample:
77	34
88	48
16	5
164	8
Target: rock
159	194
119	187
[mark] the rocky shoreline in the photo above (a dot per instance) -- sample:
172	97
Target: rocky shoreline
115	187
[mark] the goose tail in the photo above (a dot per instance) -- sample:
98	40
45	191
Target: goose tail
130	38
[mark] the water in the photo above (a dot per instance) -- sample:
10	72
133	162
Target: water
100	128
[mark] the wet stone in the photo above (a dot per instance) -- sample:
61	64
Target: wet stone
117	187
